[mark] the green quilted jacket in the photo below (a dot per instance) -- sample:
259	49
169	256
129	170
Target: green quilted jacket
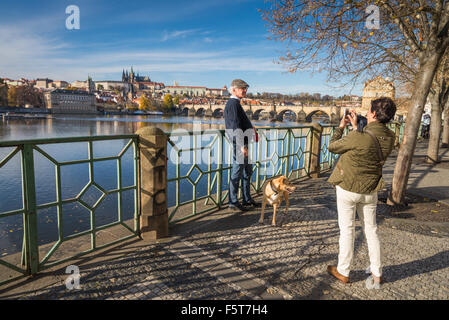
358	168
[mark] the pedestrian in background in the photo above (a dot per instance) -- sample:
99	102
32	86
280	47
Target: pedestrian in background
425	125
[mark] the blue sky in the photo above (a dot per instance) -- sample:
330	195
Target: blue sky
200	43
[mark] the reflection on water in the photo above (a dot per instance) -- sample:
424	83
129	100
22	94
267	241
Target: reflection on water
75	218
70	126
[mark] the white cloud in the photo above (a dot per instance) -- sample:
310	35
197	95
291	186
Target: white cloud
33	56
178	34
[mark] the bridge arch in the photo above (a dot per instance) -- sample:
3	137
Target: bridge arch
184	111
218	113
256	113
281	115
318	114
200	112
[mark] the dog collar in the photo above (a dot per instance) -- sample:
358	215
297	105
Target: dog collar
273	188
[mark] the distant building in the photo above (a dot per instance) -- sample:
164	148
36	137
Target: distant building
43	83
60	84
150	85
88	85
79	84
188	90
134	81
109	85
217	92
132	77
376	88
70	101
195	91
105	98
13	83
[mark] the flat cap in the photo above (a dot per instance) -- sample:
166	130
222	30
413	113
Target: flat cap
238	83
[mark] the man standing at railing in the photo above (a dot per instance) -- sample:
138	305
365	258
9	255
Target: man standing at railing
239	131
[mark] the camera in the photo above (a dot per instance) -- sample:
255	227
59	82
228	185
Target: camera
361	122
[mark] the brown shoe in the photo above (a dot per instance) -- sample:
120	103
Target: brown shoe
377	279
332	270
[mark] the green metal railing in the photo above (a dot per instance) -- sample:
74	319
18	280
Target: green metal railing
31	261
280	151
327	159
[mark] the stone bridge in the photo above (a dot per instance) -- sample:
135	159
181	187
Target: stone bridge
265	112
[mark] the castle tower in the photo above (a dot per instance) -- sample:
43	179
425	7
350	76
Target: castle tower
90	85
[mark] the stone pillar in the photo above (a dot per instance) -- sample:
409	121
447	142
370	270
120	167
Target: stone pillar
208	113
191	112
334	119
153	183
301	116
315	150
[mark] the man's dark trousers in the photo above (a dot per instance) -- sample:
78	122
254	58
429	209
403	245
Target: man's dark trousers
240	171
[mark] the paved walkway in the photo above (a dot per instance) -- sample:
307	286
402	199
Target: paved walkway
231	256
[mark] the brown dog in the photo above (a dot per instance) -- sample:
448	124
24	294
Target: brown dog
274	192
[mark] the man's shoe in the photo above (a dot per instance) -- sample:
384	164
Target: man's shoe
252	203
237	208
332	270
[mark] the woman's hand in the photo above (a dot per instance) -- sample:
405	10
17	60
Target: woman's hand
344	122
352	117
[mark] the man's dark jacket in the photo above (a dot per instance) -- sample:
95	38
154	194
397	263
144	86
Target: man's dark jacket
236	118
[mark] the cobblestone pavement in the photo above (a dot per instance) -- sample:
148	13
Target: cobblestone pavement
231	256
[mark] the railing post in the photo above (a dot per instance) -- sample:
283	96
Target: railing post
258	162
30	219
289	147
153	183
315	150
220	169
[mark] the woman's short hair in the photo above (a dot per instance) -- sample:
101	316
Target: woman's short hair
385	109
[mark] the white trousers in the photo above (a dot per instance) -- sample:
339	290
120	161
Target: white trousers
365	205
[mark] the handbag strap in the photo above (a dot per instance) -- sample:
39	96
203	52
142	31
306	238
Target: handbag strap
379	150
